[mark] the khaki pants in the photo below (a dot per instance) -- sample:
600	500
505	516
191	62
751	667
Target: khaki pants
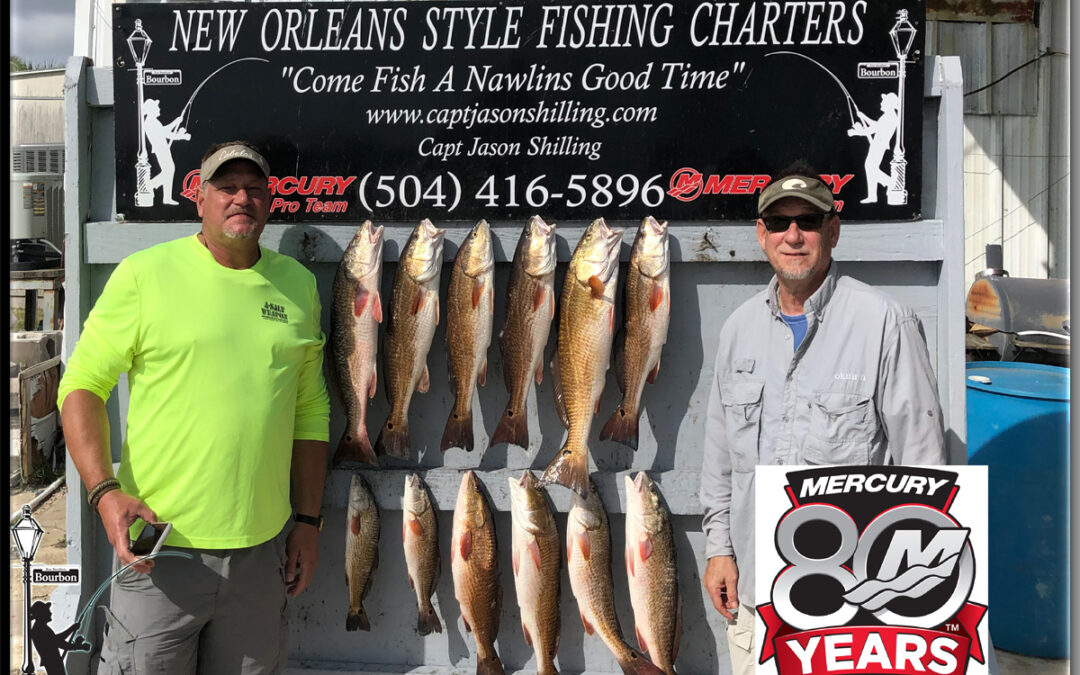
222	611
741	642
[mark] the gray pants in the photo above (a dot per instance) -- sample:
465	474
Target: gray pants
222	611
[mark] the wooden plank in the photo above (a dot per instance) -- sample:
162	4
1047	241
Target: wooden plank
950	336
110	242
680	488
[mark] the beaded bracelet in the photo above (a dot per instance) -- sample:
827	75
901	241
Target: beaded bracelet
99	490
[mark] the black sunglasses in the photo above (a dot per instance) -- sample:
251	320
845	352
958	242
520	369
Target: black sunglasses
807	222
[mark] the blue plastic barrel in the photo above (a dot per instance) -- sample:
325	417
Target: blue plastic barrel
1018	426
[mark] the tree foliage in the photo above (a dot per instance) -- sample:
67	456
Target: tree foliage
19	64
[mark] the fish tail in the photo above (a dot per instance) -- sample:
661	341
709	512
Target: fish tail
459	431
393	439
635	663
547	668
622	427
513	428
428	621
569	469
489	666
355	448
357	619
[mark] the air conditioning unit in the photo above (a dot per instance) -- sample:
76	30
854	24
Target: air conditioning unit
38	158
37	207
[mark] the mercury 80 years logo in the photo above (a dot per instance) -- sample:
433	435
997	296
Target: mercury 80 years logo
871	570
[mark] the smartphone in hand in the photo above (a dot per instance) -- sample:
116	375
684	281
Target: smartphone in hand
152	538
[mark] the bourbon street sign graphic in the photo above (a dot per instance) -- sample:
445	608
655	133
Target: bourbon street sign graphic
871	570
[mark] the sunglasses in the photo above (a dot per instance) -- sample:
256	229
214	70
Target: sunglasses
808	222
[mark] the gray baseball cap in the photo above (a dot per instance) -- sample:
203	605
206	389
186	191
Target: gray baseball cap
806	188
228	153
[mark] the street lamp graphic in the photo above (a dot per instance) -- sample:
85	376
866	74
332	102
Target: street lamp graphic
902	35
139	44
27	534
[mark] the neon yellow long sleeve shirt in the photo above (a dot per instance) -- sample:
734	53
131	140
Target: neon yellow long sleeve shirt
224	370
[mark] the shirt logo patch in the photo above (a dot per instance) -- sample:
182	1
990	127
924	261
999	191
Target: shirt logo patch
272	312
850	377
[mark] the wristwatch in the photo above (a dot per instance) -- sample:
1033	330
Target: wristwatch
314	521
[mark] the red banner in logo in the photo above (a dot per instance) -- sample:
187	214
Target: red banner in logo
889	650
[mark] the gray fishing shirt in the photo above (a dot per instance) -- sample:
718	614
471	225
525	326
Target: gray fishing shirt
859	390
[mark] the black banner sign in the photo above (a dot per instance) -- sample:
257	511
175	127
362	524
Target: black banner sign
458	110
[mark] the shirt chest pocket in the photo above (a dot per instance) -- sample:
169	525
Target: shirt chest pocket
742	417
842	428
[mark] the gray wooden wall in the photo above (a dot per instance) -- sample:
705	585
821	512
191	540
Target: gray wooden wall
715	267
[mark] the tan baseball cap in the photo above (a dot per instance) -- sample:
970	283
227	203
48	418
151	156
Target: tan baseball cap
228	153
807	188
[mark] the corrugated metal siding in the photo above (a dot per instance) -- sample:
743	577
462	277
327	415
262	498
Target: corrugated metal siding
1015	173
982	189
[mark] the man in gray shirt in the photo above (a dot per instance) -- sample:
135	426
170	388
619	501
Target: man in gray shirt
816	369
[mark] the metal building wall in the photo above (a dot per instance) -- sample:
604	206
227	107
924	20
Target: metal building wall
715	267
1016	136
36	107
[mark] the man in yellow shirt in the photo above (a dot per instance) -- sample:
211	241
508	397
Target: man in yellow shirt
221	342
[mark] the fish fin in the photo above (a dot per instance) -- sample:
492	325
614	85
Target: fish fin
584	545
569	469
515	561
481	378
416	527
596	286
458	432
376	308
404	529
418	301
465	544
513	427
678	631
525	630
637	664
534	551
645	548
412	586
357	620
424	383
468	628
621	427
374	381
393	440
611	320
354	524
436	310
641	640
557	390
629	562
589	630
477	292
651	378
539	374
355	449
656	296
490	666
428	622
360	301
538	297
